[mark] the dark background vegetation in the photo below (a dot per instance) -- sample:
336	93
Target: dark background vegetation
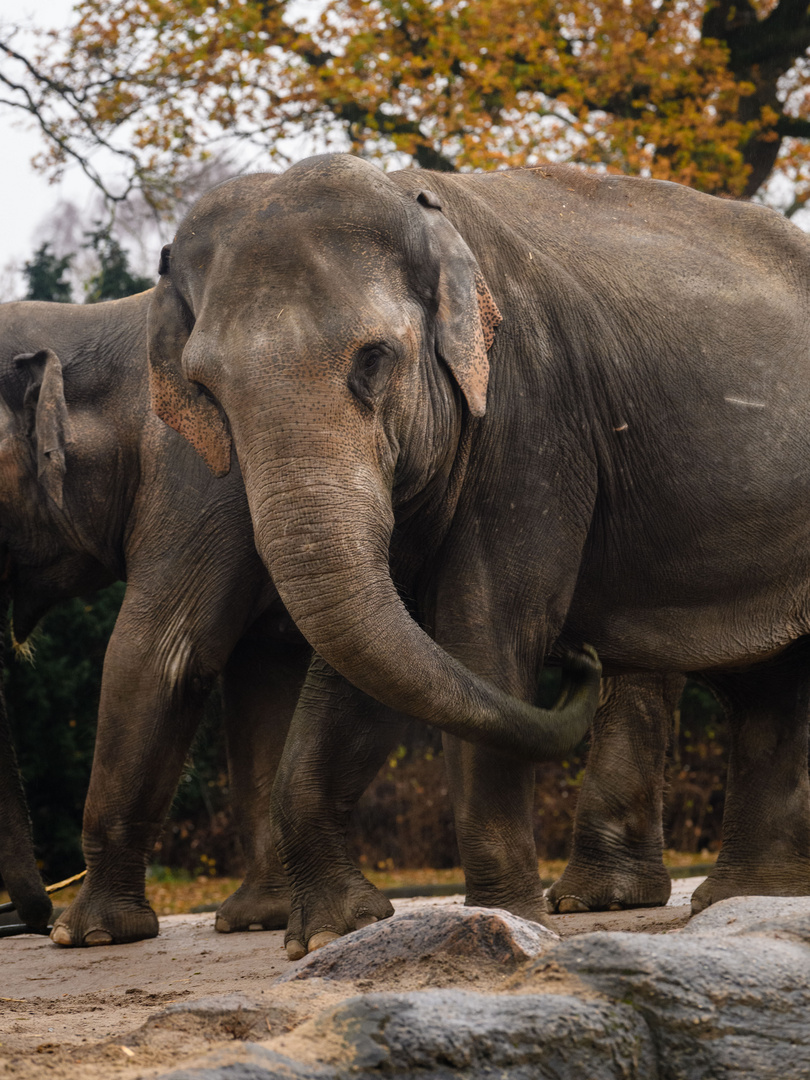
404	820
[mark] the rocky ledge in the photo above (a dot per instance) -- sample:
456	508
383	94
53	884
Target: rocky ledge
726	996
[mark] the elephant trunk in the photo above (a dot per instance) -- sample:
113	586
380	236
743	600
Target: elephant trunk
323	530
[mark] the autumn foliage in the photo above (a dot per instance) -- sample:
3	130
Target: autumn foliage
708	94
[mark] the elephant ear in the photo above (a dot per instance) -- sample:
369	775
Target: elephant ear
178	402
47	422
468	316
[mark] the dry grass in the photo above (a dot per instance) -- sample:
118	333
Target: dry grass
175	897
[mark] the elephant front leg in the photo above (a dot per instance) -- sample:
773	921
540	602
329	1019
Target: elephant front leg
617	856
766	822
18	866
150	707
338	740
261	684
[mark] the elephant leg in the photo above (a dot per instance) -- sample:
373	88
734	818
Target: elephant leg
261	684
337	742
18	867
493	801
766	822
617	854
153	690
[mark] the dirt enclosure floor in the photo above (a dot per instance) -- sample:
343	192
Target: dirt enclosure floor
128	1011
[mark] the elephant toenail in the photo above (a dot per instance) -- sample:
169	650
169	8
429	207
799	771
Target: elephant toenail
323	937
295	950
256	926
98	937
364	920
61	935
616	906
222	926
571	905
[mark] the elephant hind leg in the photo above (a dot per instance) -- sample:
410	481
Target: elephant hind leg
492	805
617	855
766	822
261	684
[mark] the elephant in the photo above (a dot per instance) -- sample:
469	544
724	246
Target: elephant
481	416
56	544
94	488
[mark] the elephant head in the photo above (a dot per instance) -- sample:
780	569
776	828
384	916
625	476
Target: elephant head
337	328
68	468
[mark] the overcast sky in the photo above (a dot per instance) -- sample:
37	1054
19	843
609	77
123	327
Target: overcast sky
25	195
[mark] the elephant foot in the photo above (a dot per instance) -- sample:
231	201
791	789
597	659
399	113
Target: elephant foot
528	903
104	922
334	909
630	884
254	907
726	881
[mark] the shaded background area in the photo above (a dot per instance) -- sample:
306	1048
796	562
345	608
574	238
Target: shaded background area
404	820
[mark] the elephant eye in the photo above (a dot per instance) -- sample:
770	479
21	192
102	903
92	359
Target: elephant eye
370	368
369	360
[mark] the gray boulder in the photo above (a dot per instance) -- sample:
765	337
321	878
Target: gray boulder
729	998
777	916
450	1034
438	943
731	1006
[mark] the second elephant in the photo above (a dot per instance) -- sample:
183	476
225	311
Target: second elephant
93	488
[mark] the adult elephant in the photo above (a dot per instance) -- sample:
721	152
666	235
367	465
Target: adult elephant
93	488
610	469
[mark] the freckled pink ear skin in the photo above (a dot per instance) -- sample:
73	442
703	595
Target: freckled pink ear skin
175	400
468	316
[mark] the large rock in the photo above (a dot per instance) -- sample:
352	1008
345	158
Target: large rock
776	916
734	1006
456	1033
451	1034
430	946
727	1000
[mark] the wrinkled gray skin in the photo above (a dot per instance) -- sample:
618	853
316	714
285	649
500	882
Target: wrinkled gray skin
631	468
618	843
93	487
90	406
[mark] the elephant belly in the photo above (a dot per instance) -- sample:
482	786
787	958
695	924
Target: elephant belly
691	628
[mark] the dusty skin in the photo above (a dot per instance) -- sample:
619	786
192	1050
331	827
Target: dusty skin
95	1013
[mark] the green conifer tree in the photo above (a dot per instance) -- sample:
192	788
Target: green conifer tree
45	276
114	278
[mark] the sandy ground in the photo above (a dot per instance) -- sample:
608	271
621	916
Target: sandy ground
123	1010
